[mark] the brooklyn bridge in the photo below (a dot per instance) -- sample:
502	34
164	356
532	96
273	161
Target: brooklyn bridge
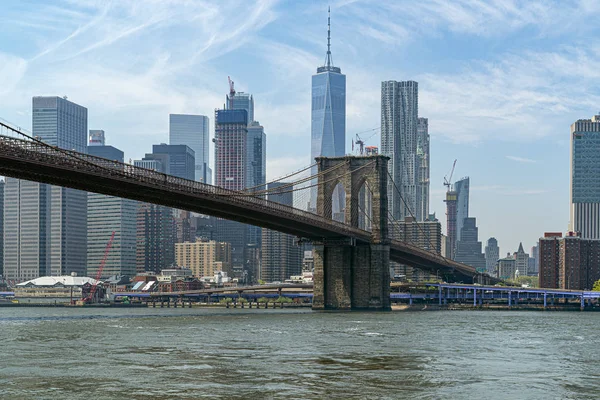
352	251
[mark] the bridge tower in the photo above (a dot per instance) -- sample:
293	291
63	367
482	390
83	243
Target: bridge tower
352	274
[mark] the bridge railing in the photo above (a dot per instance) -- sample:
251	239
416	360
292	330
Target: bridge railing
112	168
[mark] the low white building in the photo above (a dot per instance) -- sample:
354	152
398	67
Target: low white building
54	289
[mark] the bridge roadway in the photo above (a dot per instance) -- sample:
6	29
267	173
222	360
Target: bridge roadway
40	162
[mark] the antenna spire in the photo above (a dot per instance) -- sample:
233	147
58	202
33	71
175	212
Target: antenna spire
328	61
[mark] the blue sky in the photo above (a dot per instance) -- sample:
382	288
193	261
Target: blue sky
500	81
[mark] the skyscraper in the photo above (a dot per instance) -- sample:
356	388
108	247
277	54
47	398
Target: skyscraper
155	225
231	162
47	225
399	120
423	169
492	255
155	238
468	249
328	118
281	257
107	214
461	187
179	159
534	261
241	101
192	130
256	158
585	178
451	222
231	135
425	234
256	170
1	228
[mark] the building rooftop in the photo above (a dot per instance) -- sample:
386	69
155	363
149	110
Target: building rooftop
65	280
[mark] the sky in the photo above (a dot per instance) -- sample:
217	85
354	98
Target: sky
501	81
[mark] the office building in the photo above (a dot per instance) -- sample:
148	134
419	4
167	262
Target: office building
451	202
534	261
107	214
549	255
184	226
585	178
492	255
241	101
192	130
423	169
178	159
424	234
281	256
203	258
507	267
256	169
46	226
231	134
569	262
522	261
461	187
155	238
328	119
399	120
445	246
96	138
2	228
468	249
256	158
231	162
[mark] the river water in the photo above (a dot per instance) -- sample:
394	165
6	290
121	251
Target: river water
74	353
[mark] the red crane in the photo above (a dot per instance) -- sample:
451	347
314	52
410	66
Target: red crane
90	296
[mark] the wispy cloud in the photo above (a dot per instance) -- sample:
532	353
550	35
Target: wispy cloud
521	159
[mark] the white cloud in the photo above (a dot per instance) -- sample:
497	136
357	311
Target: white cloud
521	159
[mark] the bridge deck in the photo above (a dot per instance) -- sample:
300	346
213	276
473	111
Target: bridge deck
40	162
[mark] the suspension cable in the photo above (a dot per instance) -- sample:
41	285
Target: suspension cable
276	191
302	180
282	178
413	215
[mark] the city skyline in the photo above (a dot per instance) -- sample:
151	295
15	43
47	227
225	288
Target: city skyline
487	103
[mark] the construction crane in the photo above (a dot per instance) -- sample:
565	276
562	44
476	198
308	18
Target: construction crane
231	93
448	182
89	298
360	143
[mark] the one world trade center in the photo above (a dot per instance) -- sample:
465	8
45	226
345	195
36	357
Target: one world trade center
328	121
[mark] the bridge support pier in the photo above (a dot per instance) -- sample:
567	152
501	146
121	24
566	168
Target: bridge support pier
351	274
350	277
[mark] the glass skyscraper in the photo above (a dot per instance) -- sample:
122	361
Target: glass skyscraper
105	215
192	130
241	101
585	178
47	225
328	120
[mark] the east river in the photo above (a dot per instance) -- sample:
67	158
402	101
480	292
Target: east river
74	353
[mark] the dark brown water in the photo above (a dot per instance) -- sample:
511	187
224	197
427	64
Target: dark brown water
62	353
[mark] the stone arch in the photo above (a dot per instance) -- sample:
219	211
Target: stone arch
352	175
